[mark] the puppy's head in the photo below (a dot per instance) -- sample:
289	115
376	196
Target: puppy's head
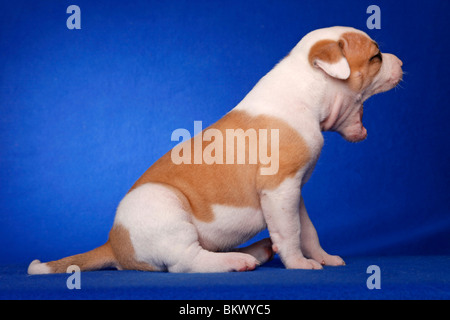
352	59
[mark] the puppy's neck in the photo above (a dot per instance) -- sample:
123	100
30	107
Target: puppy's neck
298	94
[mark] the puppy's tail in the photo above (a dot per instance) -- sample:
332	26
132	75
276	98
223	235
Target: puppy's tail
96	259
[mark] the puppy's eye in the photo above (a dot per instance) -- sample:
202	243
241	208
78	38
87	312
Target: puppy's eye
377	56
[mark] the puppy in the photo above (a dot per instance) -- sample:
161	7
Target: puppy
189	216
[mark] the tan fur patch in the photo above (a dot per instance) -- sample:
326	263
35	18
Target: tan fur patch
98	258
325	50
119	239
358	49
204	185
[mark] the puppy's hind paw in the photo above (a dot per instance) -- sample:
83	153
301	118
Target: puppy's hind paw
260	250
241	262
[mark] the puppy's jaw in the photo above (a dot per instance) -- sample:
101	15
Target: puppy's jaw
355	134
354	131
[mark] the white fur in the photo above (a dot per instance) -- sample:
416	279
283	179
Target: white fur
36	267
160	229
231	227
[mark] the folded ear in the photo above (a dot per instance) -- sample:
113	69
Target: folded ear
327	55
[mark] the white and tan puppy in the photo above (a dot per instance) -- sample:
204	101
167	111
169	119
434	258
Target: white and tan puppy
183	217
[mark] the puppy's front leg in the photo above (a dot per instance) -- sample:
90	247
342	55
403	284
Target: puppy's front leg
281	211
310	241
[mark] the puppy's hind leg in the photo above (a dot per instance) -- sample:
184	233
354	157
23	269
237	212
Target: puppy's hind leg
209	262
163	236
193	258
261	250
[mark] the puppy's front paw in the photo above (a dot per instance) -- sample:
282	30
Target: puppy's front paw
328	260
303	263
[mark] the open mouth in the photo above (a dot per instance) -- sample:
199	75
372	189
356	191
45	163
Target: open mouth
356	132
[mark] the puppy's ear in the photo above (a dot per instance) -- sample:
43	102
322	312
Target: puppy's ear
327	55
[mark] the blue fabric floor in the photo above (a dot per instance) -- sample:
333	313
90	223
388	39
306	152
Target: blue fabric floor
410	277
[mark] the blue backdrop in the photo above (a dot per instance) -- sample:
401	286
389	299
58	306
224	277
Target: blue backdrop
83	113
